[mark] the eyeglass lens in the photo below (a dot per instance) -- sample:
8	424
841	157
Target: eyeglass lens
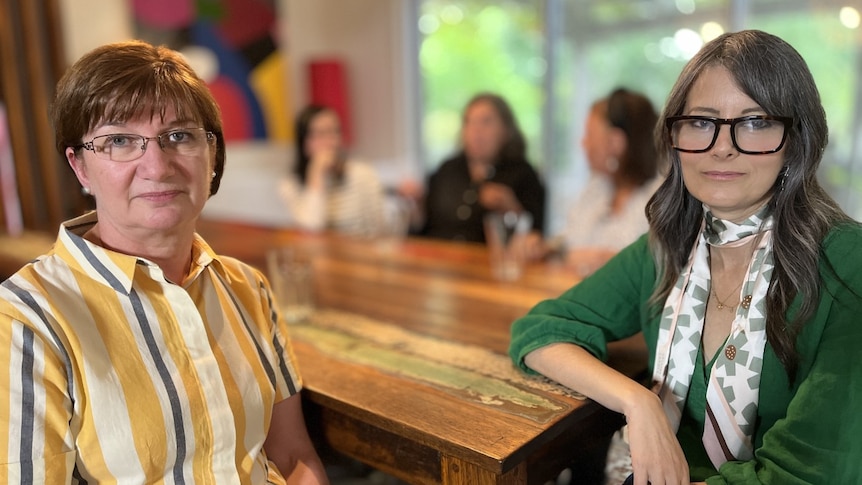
749	135
122	147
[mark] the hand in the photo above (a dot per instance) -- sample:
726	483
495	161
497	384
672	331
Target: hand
498	197
534	246
412	193
411	190
656	455
323	164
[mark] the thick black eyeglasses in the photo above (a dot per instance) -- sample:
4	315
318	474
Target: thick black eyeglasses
752	135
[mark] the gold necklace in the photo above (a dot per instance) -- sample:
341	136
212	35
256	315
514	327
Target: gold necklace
746	300
721	305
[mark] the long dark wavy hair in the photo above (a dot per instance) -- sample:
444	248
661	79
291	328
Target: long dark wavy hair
303	126
514	147
633	113
774	75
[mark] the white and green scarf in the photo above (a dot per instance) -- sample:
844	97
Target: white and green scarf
734	382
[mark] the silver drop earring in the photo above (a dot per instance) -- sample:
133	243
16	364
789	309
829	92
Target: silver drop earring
784	178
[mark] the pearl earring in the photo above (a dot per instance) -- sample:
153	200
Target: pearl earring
86	191
213	175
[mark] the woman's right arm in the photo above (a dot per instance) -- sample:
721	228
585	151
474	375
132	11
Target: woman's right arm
36	412
307	205
655	450
566	340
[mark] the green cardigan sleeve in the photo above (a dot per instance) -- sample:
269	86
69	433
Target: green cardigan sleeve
607	306
819	437
810	432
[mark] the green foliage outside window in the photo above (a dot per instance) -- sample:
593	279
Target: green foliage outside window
470	46
474	46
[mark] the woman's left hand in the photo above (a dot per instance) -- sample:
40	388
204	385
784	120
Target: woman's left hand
534	246
498	197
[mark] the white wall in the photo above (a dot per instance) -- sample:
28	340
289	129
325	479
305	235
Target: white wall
369	36
88	24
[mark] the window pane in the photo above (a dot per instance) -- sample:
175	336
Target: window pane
471	46
597	45
831	50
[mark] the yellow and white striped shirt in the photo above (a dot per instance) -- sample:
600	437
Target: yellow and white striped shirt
115	375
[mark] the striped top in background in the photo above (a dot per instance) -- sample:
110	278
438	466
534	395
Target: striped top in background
113	374
353	205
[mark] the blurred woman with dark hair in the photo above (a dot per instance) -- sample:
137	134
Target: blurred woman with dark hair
609	213
330	190
489	174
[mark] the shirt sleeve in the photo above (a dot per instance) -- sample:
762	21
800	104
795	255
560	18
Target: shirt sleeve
307	206
288	381
607	306
366	196
35	402
375	195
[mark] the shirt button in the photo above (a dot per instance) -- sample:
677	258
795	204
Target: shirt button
730	352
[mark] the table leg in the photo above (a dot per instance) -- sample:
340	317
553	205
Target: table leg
459	472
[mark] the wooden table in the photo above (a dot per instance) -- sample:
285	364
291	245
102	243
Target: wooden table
426	392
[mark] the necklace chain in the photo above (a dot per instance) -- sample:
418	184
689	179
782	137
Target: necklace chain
721	305
745	301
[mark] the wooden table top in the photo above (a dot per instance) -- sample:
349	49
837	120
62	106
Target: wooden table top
410	343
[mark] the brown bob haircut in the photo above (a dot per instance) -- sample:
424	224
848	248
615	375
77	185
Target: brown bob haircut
118	82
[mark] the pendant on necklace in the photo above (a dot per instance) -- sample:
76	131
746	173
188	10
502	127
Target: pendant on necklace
723	306
746	302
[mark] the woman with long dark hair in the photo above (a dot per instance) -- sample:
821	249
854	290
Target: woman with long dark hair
747	289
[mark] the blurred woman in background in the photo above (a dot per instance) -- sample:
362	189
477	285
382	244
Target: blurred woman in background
490	173
609	213
328	189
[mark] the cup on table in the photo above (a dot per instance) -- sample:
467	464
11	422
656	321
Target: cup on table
394	224
292	280
506	237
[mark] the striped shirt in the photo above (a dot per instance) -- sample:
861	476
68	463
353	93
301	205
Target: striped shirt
114	374
354	205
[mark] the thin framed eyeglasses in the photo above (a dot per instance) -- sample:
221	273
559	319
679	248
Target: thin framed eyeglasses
752	135
126	147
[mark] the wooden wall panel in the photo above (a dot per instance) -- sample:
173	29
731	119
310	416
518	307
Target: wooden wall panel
31	61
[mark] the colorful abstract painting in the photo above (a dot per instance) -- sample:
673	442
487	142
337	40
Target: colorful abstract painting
233	45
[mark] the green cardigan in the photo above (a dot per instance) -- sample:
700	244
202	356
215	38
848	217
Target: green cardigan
810	432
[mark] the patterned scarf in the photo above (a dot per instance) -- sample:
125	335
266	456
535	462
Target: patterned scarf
734	382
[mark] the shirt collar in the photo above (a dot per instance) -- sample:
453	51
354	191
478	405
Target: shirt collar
117	269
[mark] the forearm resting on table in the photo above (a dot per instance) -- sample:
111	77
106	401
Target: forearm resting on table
577	369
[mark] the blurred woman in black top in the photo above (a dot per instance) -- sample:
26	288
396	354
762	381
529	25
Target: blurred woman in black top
490	173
